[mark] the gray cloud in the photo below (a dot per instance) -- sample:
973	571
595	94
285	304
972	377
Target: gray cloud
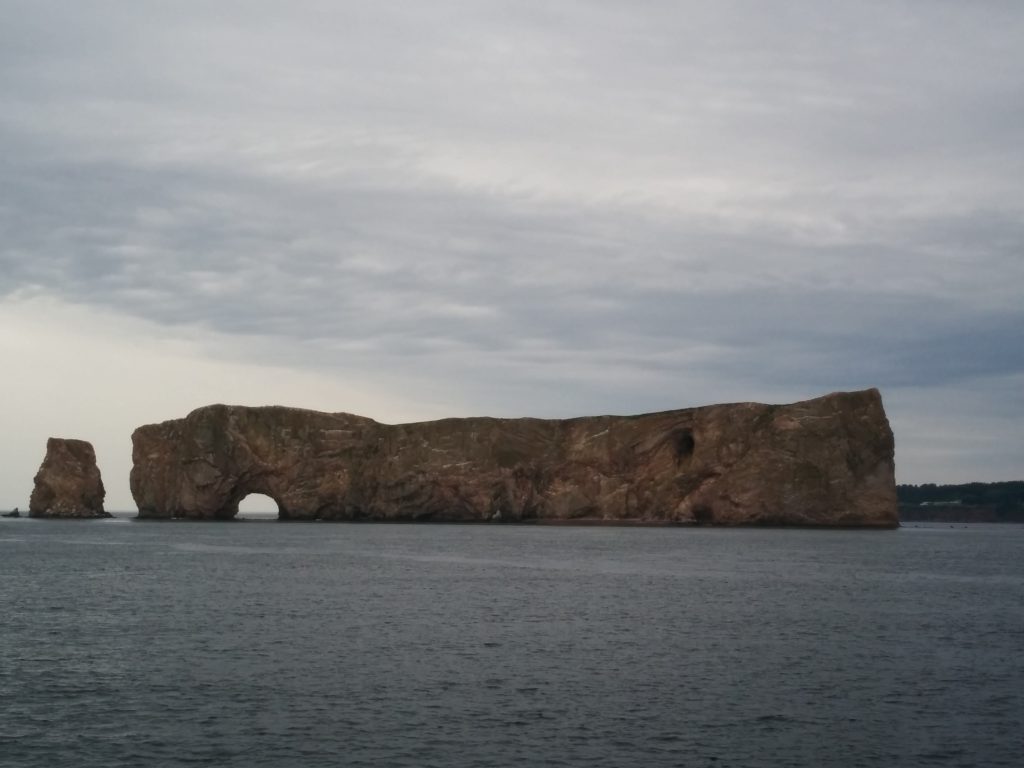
546	209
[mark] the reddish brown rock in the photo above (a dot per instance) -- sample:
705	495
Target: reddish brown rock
68	482
827	461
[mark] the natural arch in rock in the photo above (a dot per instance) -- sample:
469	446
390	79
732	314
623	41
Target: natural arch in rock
257	506
827	461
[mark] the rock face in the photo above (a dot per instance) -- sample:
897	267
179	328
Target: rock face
68	483
827	461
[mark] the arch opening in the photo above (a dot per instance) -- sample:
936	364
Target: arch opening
258	506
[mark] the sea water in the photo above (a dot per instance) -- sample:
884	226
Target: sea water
303	644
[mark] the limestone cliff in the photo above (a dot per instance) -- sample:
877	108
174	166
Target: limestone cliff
68	483
827	461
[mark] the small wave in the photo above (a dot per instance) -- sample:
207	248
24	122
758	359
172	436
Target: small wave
225	549
775	719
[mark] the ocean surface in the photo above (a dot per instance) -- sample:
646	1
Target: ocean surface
300	644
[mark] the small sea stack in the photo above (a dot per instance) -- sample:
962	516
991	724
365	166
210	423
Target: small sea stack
68	483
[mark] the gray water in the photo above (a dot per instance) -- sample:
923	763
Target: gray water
279	644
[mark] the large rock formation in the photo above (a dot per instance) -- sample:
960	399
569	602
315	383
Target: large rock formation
827	461
68	483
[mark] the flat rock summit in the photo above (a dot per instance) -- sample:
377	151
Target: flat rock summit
822	462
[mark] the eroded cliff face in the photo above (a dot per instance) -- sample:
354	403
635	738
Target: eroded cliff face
827	461
68	483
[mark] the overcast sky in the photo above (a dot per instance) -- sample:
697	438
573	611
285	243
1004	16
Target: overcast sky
412	210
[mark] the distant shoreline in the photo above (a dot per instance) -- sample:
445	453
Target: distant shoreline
999	502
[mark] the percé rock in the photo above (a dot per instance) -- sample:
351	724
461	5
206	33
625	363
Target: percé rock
823	462
68	483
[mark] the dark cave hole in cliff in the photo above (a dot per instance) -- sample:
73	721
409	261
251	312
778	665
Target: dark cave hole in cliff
684	444
703	514
257	506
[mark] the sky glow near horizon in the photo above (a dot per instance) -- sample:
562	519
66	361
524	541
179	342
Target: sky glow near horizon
412	211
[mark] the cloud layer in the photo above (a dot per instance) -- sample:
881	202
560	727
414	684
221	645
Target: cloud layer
517	208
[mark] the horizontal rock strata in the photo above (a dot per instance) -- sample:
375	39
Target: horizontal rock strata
68	483
827	461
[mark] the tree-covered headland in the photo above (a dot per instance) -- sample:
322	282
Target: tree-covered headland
979	502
